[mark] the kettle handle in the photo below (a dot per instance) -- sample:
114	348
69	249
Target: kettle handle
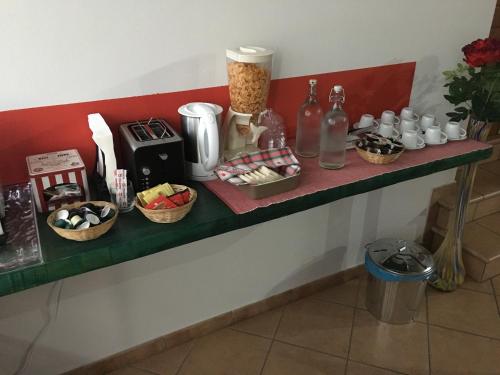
208	126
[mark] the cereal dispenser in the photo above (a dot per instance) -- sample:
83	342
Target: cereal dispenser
249	76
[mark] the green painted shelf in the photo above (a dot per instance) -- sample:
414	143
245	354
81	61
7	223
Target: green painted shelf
134	237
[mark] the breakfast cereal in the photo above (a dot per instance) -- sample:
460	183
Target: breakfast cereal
248	87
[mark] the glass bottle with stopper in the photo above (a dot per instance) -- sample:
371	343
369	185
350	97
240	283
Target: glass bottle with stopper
334	127
309	124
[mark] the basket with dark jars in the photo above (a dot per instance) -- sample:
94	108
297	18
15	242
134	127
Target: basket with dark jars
379	150
83	221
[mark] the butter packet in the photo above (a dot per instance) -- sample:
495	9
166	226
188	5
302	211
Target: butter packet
148	196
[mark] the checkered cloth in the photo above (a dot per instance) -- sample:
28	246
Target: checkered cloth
281	160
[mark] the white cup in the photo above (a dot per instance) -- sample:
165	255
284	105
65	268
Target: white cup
387	130
411	139
389	117
408	113
454	130
408	125
433	135
366	121
427	120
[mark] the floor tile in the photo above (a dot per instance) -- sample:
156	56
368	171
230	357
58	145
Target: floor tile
354	368
454	352
167	362
492	222
286	359
362	293
226	352
487	183
484	287
345	293
264	324
129	371
421	315
465	310
317	325
492	268
396	347
496	285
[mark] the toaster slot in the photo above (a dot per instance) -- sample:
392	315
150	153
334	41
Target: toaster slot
160	130
150	130
140	133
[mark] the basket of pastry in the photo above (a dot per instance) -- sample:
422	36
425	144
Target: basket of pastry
376	149
166	203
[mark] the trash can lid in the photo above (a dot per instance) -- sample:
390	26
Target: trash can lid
401	257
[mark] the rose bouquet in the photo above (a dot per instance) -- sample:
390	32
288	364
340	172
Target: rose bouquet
474	87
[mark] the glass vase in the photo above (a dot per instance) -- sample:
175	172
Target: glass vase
450	270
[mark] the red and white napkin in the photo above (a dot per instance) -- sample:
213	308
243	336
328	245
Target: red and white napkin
281	160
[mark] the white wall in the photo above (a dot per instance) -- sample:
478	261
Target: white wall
66	51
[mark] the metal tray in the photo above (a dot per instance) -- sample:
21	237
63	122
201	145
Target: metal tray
270	188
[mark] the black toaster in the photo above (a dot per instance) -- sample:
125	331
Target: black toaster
152	152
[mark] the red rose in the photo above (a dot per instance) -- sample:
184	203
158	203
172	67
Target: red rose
482	52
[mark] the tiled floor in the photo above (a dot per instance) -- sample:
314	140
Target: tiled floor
332	333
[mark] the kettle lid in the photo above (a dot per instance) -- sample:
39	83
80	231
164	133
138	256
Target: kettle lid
197	109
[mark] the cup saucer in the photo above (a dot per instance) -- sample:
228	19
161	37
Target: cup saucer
462	138
422	145
415	118
356	126
395	122
442	141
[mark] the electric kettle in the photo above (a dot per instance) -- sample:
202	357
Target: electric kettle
201	124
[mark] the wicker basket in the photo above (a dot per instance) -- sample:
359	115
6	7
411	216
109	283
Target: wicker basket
373	158
169	215
83	234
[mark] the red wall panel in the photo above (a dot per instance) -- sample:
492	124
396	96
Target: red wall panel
36	130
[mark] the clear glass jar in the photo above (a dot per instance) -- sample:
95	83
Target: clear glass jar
334	127
309	124
274	136
249	76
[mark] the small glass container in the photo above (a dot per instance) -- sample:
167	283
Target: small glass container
126	202
274	136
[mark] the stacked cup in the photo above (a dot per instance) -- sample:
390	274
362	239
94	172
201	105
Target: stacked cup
387	127
426	121
409	132
408	113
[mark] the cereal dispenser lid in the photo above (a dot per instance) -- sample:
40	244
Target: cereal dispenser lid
250	54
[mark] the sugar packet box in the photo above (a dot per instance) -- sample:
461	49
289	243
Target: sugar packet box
57	178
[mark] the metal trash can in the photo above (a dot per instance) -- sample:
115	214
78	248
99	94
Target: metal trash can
397	276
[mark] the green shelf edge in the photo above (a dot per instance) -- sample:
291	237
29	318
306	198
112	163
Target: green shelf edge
134	237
